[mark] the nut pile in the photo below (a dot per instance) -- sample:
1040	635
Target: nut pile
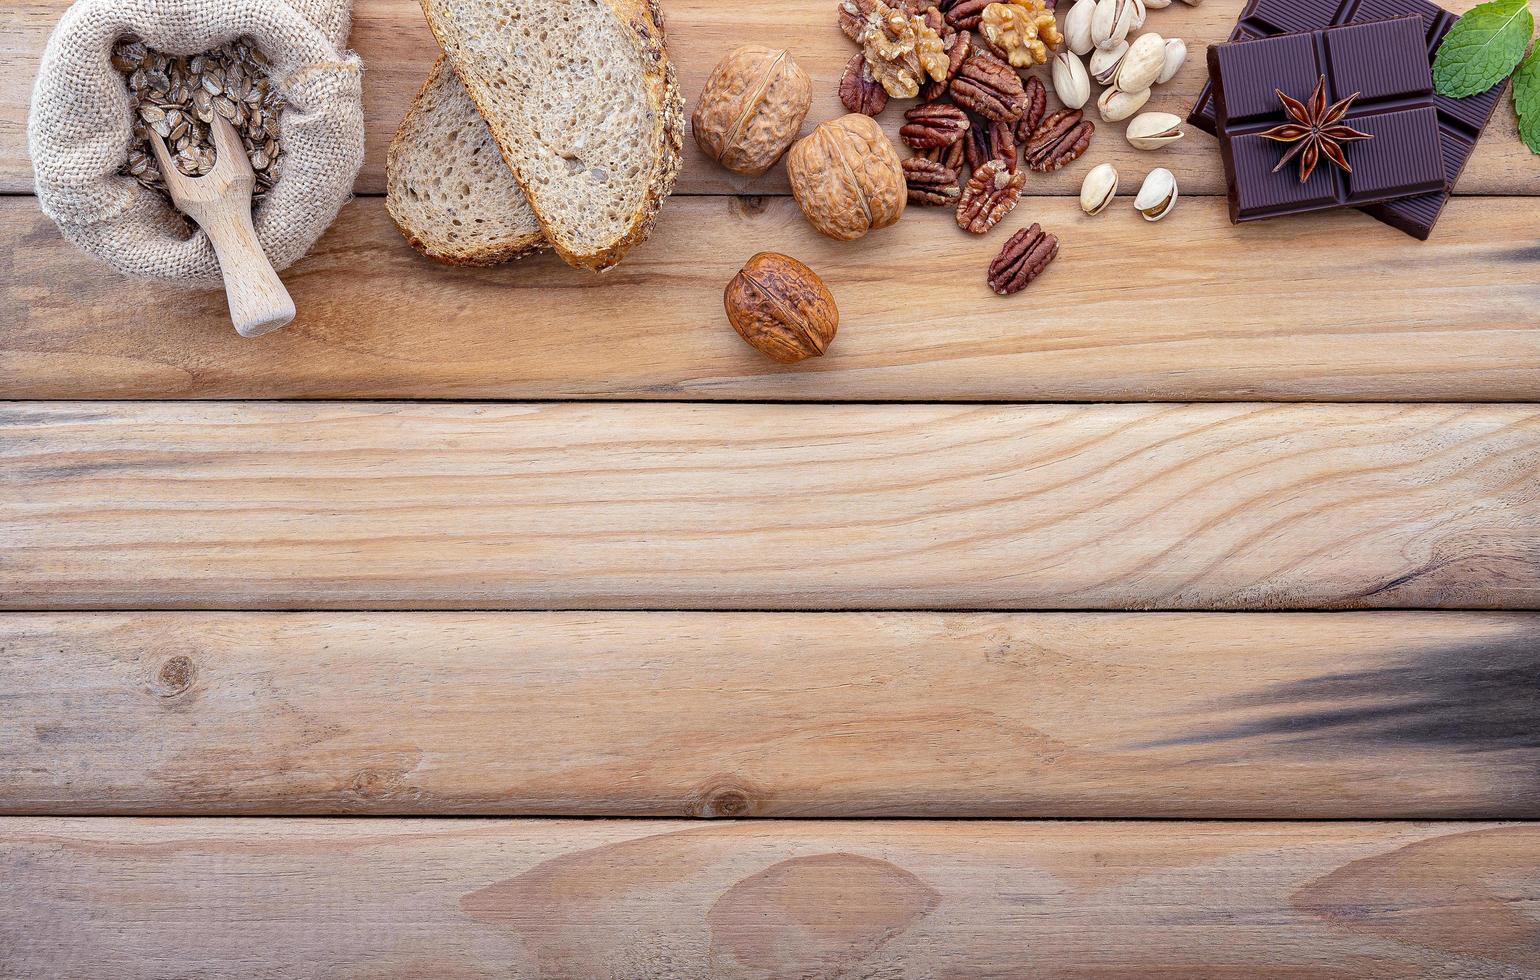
1130	67
178	97
979	126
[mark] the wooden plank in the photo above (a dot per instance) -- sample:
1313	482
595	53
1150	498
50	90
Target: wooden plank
1130	311
320	506
654	899
784	715
397	49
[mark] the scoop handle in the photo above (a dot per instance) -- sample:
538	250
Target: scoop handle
259	302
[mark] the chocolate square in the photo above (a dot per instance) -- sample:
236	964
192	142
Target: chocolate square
1384	63
1461	120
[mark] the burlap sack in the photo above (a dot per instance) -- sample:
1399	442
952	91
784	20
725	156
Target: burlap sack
80	128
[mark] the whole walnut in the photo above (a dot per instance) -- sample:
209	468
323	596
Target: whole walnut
751	109
847	177
781	308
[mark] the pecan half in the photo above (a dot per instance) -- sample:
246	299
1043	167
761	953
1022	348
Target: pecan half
991	141
852	18
1058	140
989	87
933	18
1034	110
933	124
859	91
991	193
965	15
1025	255
931	183
957	45
952	157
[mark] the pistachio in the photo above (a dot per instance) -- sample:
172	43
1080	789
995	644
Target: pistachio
1098	188
1175	55
1105	62
1157	195
1111	22
1070	82
1139	14
1153	130
1077	27
1142	64
1157	4
1116	104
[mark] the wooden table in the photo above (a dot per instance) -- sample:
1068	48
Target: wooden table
1235	526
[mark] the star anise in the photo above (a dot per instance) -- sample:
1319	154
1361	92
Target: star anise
1317	128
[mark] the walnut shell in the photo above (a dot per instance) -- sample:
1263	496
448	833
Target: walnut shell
847	177
751	109
781	308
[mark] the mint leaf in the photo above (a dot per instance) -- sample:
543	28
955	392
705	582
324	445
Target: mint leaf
1482	48
1526	100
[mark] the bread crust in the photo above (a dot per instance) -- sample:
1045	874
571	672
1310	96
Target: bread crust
479	257
644	22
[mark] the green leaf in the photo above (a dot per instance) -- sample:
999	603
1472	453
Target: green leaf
1482	48
1526	100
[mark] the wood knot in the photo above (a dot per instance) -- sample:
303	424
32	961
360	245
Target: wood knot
749	206
725	798
175	676
374	782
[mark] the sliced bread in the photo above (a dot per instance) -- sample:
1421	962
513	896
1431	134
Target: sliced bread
581	98
446	185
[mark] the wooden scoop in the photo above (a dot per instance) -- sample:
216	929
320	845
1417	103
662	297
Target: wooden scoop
220	202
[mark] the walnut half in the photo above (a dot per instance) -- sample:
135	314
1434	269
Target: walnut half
902	50
1020	31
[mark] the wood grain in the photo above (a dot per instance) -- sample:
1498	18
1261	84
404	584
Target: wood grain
1129	311
655	899
780	715
398	51
322	506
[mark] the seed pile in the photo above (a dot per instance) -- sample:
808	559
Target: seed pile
178	97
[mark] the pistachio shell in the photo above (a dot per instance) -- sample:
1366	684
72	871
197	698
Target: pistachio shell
1070	82
1143	62
1077	27
1116	104
1175	56
1105	62
1157	195
1137	21
1111	22
1099	188
1153	130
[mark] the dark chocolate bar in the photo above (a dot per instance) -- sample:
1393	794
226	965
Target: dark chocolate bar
1379	70
1461	120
